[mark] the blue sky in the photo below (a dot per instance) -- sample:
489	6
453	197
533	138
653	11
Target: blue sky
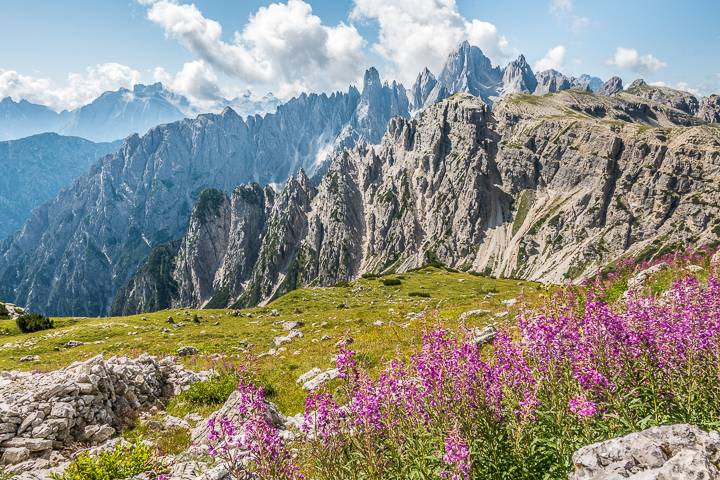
64	54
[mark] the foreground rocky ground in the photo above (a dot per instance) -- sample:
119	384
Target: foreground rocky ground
44	415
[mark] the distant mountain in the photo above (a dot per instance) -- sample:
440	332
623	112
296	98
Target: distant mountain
117	114
22	119
246	105
593	82
34	169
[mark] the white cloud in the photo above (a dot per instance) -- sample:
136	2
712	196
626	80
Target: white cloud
196	81
560	8
654	84
629	58
81	89
281	43
685	87
579	24
553	59
414	34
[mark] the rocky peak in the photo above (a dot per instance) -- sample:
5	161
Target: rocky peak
550	81
518	77
371	80
637	83
468	70
611	87
709	109
425	92
593	82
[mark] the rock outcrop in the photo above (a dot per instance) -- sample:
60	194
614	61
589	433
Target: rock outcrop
8	311
551	81
611	87
683	101
85	402
667	452
518	77
425	92
709	109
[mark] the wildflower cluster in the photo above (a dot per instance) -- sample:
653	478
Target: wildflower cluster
578	370
251	447
568	375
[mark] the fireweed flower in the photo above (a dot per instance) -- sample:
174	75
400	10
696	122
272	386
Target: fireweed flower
582	407
457	455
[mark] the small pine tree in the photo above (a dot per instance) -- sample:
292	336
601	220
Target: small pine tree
34	323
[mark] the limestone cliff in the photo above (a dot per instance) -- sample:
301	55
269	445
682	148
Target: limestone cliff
546	188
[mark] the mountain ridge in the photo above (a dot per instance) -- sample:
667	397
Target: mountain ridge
536	188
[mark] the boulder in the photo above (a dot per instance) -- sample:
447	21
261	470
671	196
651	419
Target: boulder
281	341
15	455
293	325
295	334
484	336
666	452
73	344
321	379
175	422
639	280
308	375
344	342
32	444
187	351
230	410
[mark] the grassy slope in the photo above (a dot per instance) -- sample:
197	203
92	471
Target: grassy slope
456	292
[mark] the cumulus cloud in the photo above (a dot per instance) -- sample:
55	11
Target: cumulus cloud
196	81
554	59
282	43
81	89
414	34
629	59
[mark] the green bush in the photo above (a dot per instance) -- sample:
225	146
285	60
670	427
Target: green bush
389	282
124	462
33	323
369	276
419	294
342	284
213	392
4	312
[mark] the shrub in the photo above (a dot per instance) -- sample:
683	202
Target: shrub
195	318
33	323
4	311
419	294
212	392
390	282
343	284
124	462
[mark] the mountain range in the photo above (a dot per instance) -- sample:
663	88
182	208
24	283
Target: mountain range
115	115
498	180
34	169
